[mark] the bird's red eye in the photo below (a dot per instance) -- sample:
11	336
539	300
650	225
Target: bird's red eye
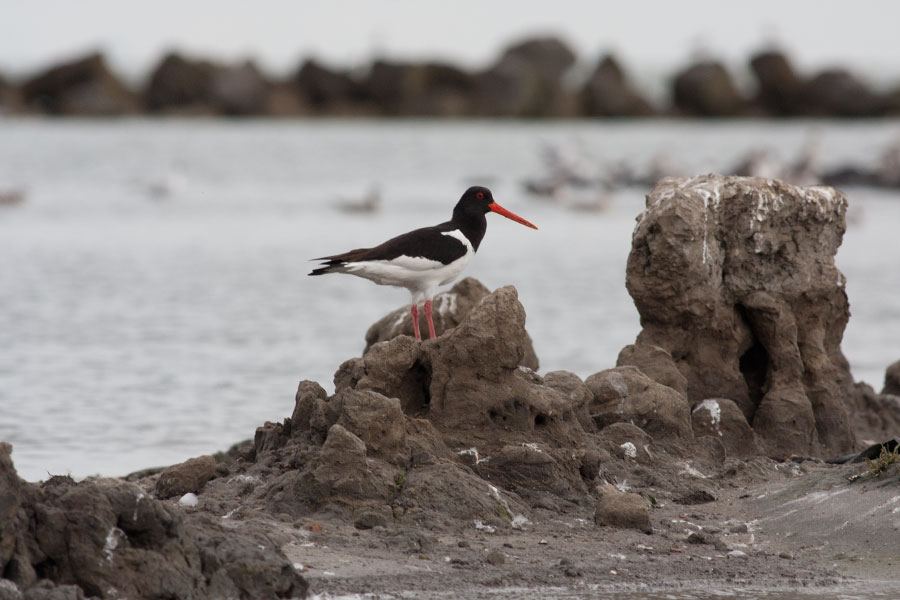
480	195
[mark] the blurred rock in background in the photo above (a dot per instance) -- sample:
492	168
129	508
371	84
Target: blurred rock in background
537	77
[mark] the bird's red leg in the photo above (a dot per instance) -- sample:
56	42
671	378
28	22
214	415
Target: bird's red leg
415	319
431	333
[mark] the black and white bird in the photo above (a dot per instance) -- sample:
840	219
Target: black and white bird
426	258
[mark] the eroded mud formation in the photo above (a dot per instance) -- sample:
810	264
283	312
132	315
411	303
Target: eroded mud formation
735	279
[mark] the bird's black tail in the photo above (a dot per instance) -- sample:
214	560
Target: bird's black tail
329	263
323	270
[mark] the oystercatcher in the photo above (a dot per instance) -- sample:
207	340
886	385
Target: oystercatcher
423	259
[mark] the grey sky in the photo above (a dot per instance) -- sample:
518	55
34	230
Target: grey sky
645	34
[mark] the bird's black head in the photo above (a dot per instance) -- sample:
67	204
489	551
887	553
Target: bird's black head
478	200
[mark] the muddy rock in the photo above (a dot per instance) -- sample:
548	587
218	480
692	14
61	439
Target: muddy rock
370	520
377	421
339	472
628	442
43	590
446	489
621	509
10	499
576	391
735	278
271	436
532	472
626	395
654	362
696	497
607	93
308	393
722	419
876	417
85	86
189	476
449	310
109	539
475	383
892	379
395	368
705	89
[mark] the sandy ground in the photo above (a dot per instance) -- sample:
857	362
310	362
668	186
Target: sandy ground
774	526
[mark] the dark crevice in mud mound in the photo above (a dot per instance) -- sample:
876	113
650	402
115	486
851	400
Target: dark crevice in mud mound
754	366
514	414
415	398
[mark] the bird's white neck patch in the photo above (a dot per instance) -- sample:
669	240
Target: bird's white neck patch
456	233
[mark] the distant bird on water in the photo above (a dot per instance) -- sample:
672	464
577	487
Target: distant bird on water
426	258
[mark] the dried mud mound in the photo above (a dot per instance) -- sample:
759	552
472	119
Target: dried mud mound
737	289
455	430
416	427
108	538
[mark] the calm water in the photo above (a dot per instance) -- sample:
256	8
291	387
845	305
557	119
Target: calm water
154	303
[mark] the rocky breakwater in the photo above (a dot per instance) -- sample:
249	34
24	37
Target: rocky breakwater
735	282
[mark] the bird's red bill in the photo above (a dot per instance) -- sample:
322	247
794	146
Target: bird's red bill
502	211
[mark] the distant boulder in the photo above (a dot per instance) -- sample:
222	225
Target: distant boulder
327	91
527	80
84	87
706	89
779	86
607	93
839	93
891	103
239	90
181	85
10	100
427	89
